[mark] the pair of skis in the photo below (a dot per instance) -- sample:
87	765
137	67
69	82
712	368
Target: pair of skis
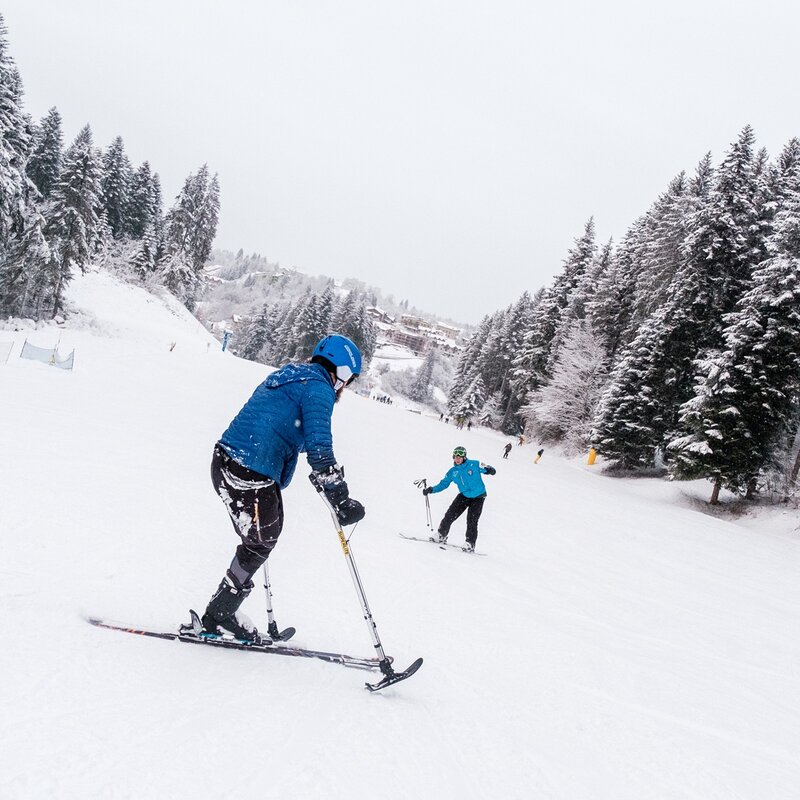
442	545
188	634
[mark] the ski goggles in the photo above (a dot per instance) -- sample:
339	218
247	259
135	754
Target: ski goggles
344	377
459	452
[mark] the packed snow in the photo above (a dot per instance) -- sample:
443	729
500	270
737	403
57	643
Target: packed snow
616	642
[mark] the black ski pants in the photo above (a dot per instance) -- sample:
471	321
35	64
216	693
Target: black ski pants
473	506
255	506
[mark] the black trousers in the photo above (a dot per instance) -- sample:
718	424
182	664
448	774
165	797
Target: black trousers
255	506
473	506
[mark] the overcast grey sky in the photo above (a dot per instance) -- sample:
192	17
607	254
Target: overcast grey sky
448	152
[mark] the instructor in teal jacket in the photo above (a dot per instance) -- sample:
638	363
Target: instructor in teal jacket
466	475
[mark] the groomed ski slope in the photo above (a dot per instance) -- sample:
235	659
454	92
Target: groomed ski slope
616	642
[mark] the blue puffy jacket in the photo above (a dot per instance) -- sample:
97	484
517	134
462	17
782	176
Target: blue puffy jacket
289	413
466	476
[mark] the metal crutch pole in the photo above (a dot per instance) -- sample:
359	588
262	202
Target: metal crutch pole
390	676
386	667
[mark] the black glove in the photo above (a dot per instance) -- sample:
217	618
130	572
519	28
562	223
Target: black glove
334	485
427	490
490	470
349	512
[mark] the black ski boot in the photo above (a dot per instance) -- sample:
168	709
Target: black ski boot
220	616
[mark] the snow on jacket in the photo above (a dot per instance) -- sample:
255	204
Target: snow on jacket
288	414
466	476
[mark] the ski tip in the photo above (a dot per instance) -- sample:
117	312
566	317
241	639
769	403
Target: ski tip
395	677
286	634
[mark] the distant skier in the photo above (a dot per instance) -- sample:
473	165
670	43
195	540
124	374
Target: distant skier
507	450
289	413
471	494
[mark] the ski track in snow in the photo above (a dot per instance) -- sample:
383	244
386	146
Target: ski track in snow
615	643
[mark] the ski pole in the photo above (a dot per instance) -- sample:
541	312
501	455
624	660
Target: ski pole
422	483
390	676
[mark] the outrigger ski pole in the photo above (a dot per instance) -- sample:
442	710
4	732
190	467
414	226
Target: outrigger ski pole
389	674
272	629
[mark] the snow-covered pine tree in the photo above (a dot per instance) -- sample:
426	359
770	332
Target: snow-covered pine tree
611	306
190	229
661	254
146	253
517	322
207	218
468	363
492	415
492	361
564	409
44	163
14	146
256	336
531	363
421	390
581	268
749	396
73	217
472	401
326	307
343	313
116	186
23	277
140	202
282	349
629	421
307	329
367	335
475	358
159	223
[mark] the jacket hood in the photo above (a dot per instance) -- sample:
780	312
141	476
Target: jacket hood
293	373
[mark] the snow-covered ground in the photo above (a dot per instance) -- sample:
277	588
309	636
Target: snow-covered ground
616	642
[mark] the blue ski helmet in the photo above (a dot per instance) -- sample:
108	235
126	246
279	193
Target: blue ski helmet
340	355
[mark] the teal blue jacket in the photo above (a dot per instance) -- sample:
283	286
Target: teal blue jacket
467	477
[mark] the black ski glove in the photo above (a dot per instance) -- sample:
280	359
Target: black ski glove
349	512
490	470
427	490
333	484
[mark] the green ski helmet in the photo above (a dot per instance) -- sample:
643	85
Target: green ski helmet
460	451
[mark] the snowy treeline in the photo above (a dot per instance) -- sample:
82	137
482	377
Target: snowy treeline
282	312
63	208
679	346
249	279
288	330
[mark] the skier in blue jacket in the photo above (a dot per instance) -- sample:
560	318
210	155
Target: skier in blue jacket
466	474
289	413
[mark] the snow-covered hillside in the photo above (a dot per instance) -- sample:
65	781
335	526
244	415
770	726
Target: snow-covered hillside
616	642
